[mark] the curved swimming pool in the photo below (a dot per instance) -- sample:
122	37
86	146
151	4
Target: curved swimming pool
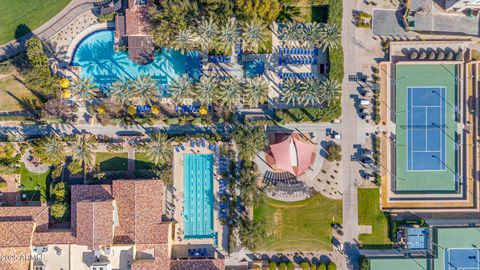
95	55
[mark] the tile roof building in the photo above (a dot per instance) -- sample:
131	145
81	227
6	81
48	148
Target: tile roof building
118	226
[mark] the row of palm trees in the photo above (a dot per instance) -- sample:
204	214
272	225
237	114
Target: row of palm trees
311	35
229	93
311	92
209	35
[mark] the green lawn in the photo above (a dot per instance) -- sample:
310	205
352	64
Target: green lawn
19	17
14	96
304	225
369	213
142	162
34	185
112	161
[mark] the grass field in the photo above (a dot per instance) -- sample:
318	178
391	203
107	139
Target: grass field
14	96
369	213
304	225
21	16
34	185
142	162
112	161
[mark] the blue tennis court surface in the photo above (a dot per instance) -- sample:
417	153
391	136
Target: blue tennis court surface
462	259
426	124
417	238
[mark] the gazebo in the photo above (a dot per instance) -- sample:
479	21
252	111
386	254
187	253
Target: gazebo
292	154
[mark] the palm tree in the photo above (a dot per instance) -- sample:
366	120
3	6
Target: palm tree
145	89
254	32
330	36
82	152
290	32
84	89
256	91
184	40
205	89
311	34
311	92
230	93
121	93
50	150
207	32
331	91
251	232
158	150
291	91
289	13
229	34
182	89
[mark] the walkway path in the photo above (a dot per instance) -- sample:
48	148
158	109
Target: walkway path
131	160
48	29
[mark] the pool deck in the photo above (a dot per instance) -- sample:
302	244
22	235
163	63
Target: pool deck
178	184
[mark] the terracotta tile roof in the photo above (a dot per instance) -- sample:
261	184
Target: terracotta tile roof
16	233
39	214
94	226
53	237
213	264
15	258
87	193
136	18
160	262
139	204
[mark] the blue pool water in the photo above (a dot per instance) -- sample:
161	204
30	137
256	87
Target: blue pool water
98	61
254	68
198	196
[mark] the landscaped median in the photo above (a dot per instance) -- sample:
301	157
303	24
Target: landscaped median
304	225
369	213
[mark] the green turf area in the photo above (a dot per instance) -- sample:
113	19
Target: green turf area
313	14
304	225
369	213
454	238
112	161
425	75
142	162
399	264
34	185
14	96
19	17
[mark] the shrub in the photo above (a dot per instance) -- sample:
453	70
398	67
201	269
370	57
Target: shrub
3	184
290	266
364	263
75	167
449	55
282	266
173	121
58	211
313	266
322	267
413	55
422	55
272	266
334	152
432	55
305	265
440	55
60	191
331	266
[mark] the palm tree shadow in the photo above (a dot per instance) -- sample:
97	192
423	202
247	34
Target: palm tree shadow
28	105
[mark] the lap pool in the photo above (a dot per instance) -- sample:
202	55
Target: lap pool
95	55
198	196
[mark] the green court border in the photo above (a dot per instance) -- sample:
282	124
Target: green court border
460	237
425	75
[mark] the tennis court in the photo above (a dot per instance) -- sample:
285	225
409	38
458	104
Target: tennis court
426	129
462	259
426	123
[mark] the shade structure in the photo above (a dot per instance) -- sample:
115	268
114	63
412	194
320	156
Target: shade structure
293	155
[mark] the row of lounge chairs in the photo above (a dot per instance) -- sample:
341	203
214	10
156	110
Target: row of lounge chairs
302	51
290	75
298	61
218	59
280	177
177	148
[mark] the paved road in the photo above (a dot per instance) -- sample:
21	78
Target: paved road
48	29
